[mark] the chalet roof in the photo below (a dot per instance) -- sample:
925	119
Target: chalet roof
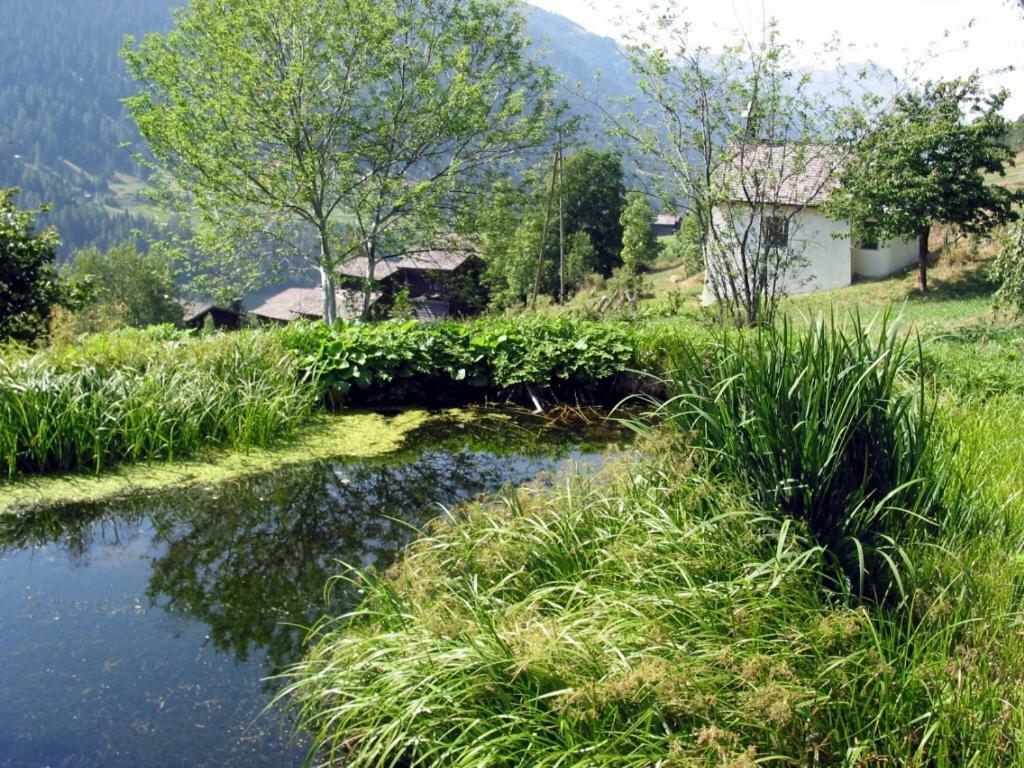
294	303
788	174
665	220
193	310
432	259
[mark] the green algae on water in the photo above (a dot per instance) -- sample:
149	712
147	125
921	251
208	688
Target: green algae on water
355	435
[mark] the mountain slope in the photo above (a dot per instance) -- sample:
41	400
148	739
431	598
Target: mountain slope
64	136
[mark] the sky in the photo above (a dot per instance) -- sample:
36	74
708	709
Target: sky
963	36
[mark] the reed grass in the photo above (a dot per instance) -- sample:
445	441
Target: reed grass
133	396
823	425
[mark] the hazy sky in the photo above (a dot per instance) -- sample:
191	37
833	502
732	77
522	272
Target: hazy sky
890	32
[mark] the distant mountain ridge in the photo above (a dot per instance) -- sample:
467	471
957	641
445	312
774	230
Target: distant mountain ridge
66	140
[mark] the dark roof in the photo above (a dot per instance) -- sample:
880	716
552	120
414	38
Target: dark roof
293	303
193	310
665	220
788	174
441	260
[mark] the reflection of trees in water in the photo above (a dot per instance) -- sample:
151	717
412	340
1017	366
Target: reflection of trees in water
251	558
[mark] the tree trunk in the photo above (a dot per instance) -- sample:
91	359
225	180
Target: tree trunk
922	259
329	296
371	263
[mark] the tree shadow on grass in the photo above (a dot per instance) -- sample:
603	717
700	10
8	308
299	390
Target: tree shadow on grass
972	281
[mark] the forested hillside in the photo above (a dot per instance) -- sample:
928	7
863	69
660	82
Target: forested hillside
65	139
62	126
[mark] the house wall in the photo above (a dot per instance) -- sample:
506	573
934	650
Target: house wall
887	258
824	247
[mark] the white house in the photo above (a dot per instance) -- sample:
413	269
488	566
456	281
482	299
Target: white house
772	220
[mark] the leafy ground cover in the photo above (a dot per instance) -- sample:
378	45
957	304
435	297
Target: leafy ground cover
696	611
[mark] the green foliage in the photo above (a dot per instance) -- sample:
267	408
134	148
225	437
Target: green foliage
925	162
396	360
511	227
686	246
29	289
138	287
299	123
594	196
821	426
1009	271
655	620
133	395
639	246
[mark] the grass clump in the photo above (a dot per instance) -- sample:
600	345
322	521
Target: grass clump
821	425
811	577
136	395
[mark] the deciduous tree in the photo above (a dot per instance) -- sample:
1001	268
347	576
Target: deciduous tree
338	129
29	288
140	287
639	246
925	162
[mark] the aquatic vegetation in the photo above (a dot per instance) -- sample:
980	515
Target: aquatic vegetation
123	400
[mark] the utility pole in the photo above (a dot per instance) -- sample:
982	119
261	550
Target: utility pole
561	221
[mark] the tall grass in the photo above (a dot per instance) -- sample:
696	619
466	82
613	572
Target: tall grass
823	425
132	396
656	621
706	608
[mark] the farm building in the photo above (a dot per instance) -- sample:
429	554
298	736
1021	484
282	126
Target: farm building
194	314
440	282
295	303
665	224
774	199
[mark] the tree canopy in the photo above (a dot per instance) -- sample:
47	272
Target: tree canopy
135	288
338	130
924	162
29	288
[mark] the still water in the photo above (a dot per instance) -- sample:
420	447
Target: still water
142	632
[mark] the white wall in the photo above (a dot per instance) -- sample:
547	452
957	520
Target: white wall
887	258
825	259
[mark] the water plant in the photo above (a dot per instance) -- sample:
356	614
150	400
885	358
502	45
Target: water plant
823	424
136	396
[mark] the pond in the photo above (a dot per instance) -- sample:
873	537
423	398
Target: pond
142	631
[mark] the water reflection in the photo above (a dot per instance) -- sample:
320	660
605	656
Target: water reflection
160	615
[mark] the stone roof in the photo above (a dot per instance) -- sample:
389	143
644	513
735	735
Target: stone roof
787	174
294	303
665	220
193	310
440	260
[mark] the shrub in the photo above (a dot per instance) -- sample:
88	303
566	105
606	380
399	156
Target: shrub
395	360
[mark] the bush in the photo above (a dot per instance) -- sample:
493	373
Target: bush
398	360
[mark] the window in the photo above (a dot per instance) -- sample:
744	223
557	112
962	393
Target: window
867	243
775	232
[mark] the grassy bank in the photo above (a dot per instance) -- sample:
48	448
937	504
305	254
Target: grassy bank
134	395
351	435
762	589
